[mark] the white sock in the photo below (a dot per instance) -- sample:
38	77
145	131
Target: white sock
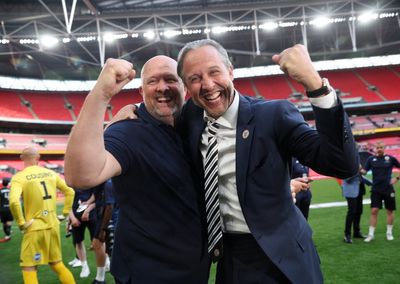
101	273
371	231
389	229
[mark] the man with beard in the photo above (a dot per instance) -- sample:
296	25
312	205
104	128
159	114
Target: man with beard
159	237
381	165
265	238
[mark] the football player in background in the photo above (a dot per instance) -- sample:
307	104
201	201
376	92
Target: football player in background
41	241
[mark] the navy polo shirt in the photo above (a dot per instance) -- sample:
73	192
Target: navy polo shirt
381	171
159	237
298	169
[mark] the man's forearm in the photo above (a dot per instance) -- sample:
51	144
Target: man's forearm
86	155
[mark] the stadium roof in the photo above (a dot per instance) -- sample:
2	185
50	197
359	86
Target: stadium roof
70	39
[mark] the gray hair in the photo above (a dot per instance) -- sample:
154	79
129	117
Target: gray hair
197	44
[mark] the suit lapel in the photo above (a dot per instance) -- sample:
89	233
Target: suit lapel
197	130
244	140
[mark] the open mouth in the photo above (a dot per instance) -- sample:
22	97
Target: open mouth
212	97
165	100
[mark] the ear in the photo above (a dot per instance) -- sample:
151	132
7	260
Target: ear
230	70
141	91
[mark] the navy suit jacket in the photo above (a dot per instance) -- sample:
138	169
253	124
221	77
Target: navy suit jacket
277	132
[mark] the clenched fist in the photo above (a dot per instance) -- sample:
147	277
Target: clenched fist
296	62
115	75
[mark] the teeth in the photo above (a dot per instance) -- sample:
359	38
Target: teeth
163	100
213	96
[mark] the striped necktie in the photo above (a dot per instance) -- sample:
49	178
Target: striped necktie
212	198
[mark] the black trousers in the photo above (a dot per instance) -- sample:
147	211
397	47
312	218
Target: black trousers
354	211
303	201
244	262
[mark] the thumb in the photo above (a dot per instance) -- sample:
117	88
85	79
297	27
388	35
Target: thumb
276	58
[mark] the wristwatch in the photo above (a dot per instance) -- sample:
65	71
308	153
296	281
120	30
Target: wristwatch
324	90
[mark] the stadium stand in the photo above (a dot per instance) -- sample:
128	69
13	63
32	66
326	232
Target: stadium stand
350	85
48	106
20	141
246	86
273	87
11	105
384	79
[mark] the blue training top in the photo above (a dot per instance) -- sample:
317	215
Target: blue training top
381	171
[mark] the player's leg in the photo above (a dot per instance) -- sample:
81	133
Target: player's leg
100	252
29	274
54	256
376	204
390	205
81	250
64	275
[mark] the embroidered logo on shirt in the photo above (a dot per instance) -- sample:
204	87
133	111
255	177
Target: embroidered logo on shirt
37	256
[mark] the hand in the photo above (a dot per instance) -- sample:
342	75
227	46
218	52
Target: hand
115	75
296	63
127	112
393	180
75	222
85	216
26	225
299	184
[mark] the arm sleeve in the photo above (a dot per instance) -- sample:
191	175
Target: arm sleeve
396	162
367	165
15	204
330	150
328	101
69	194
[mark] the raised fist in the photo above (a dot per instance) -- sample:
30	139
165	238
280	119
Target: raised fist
115	75
296	62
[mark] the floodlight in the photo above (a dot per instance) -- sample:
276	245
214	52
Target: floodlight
367	17
269	26
320	22
108	37
149	34
48	41
171	33
219	29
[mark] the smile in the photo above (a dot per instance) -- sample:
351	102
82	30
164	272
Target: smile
164	100
212	97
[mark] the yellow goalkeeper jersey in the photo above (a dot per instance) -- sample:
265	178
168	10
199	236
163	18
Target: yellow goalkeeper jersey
38	187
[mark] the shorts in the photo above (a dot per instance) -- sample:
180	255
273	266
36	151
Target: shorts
78	233
5	215
388	197
41	247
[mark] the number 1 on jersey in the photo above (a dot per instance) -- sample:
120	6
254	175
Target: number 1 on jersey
46	194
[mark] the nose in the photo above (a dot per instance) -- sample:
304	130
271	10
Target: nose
162	86
207	83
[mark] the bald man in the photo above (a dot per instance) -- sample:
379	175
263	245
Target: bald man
159	237
38	221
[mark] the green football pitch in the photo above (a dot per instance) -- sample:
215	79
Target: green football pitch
375	262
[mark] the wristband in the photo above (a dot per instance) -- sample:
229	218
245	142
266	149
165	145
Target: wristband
324	90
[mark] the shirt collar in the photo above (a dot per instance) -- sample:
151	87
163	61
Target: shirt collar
144	114
229	118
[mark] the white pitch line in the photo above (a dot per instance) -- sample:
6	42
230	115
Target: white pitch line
335	204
